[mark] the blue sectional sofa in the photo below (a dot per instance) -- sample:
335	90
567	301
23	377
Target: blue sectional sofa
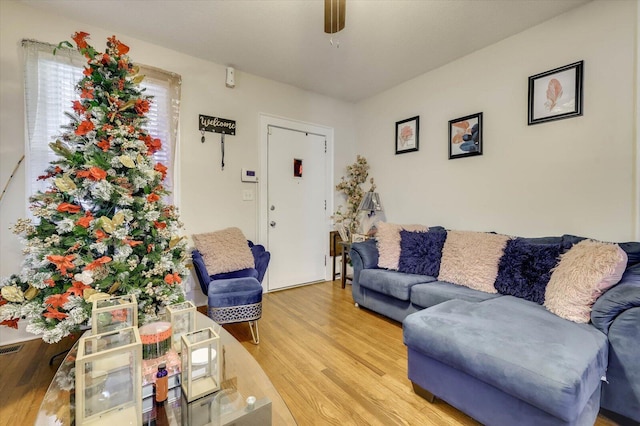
504	360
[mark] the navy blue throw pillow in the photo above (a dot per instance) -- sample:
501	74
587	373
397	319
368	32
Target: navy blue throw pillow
525	269
421	252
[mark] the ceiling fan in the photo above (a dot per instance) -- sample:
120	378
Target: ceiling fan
334	12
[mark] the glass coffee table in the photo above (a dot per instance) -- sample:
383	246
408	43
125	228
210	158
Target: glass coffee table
247	394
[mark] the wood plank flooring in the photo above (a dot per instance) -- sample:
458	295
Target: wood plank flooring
333	364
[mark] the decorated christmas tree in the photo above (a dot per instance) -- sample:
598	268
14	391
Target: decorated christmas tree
101	228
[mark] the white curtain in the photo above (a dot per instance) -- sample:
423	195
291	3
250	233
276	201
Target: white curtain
50	82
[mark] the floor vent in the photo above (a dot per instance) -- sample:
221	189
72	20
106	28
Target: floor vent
6	350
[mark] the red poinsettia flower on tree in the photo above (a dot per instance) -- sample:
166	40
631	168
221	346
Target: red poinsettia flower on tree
153	197
77	288
159	167
142	106
68	208
11	323
172	279
79	39
54	314
87	93
94	173
101	261
86	220
104	144
120	48
84	128
152	144
62	262
78	107
57	300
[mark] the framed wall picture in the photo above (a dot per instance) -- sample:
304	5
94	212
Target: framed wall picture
407	132
556	94
465	136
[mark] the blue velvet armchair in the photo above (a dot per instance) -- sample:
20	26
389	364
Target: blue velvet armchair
235	296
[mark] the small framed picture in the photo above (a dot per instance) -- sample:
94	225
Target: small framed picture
465	136
297	168
407	132
556	94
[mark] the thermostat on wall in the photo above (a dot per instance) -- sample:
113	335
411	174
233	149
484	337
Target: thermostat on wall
249	175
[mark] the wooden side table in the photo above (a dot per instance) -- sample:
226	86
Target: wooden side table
345	246
334	240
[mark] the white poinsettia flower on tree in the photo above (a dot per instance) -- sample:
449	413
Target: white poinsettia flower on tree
85	277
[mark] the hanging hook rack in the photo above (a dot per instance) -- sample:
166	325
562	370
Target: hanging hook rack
217	125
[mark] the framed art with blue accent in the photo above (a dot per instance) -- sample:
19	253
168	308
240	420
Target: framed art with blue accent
465	136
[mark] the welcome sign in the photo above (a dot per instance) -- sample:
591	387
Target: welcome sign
217	125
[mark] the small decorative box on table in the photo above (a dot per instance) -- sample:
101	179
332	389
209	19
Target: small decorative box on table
114	313
108	378
200	371
183	320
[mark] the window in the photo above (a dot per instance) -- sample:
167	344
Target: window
50	82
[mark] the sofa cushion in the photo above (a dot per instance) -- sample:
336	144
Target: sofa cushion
420	252
471	259
525	269
223	251
631	248
584	272
234	292
516	346
388	239
429	294
391	283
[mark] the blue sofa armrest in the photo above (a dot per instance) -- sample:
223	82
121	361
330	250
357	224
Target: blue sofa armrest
363	255
201	271
368	253
261	259
617	314
621	297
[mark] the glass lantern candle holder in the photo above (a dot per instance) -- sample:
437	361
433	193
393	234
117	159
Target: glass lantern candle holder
182	317
114	313
109	378
200	373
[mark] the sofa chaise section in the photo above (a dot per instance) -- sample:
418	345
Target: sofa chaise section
540	368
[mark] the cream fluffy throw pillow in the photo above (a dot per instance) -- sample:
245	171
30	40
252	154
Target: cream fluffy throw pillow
224	251
471	259
586	271
388	241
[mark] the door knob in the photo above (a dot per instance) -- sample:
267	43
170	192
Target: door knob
273	224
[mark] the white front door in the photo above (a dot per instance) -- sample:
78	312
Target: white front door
296	207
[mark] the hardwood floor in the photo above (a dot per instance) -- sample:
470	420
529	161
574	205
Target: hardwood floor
333	364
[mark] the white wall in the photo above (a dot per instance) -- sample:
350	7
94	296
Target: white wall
210	198
568	176
637	178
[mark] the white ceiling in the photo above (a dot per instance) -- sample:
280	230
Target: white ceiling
384	43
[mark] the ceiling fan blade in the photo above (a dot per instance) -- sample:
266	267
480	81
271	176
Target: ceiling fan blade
334	12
